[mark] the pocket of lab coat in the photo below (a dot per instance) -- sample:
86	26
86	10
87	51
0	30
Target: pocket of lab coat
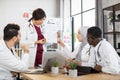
30	40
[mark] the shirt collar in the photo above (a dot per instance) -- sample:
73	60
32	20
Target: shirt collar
4	45
96	47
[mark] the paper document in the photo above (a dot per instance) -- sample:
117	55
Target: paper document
39	70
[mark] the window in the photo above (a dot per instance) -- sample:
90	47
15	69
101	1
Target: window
88	4
89	18
83	13
74	9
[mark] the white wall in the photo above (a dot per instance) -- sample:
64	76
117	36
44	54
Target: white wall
11	11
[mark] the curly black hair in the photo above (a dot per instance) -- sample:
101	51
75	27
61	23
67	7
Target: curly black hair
94	31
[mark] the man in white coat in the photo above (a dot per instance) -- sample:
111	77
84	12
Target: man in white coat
9	61
106	58
82	53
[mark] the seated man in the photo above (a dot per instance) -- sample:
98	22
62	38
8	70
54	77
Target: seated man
106	58
9	61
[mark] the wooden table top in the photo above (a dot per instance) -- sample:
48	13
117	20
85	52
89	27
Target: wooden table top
49	76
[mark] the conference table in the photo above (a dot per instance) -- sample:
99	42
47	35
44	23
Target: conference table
60	76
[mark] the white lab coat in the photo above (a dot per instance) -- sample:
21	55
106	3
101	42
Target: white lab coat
86	56
67	54
108	59
81	54
10	62
29	36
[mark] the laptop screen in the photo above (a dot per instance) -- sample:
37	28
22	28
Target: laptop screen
50	57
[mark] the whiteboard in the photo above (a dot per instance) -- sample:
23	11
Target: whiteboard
50	28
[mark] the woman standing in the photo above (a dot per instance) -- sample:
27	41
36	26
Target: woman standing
35	38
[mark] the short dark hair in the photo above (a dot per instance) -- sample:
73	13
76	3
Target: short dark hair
10	31
38	14
95	31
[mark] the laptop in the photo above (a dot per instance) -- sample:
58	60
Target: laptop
47	67
40	70
48	59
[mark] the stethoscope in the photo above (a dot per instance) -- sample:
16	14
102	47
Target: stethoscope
87	52
31	27
98	54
